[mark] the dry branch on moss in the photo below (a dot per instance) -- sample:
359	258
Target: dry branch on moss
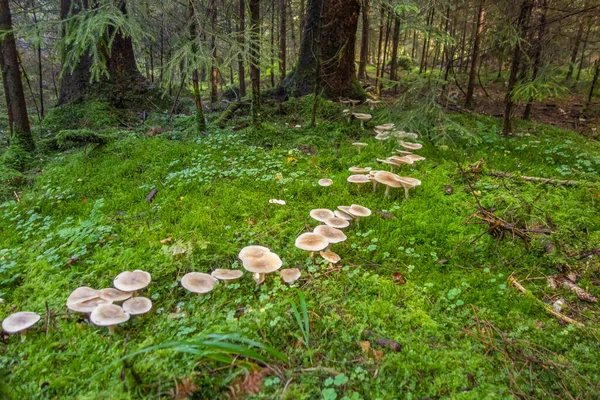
549	181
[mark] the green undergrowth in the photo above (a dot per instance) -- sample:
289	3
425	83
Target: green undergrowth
421	276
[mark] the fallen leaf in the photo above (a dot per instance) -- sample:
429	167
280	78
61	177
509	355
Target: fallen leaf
441	261
365	346
378	354
167	240
151	195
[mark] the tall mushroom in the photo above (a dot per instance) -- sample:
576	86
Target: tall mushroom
362	118
82	294
137	305
267	263
114	295
359	145
358	211
389	180
109	315
408	183
359	170
20	322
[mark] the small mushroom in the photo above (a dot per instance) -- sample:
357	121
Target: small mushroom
321	214
362	118
333	235
342	215
87	307
359	180
331	257
269	262
359	170
114	295
372	103
19	323
354	103
359	146
358	211
346	113
381	135
198	282
290	275
109	315
389	180
408	183
325	182
385	127
336	222
132	281
253	252
414	157
405	135
410	146
82	294
389	162
404	153
227	274
311	242
137	305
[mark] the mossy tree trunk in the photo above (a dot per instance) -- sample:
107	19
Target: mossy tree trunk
11	78
120	63
255	58
337	42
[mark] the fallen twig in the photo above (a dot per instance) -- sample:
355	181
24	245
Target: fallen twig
550	181
569	284
512	280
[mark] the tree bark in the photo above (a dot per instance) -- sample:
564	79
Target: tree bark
200	120
379	43
364	41
395	41
514	69
573	59
537	55
337	41
593	86
255	58
475	54
214	89
283	38
11	76
241	40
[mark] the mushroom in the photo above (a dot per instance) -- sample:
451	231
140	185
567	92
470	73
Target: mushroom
408	183
359	145
265	264
404	153
198	282
385	127
114	295
132	281
290	275
87	307
331	257
311	242
19	323
389	180
354	103
362	118
325	182
382	135
387	161
406	135
109	315
414	157
400	161
82	294
321	214
360	180
227	274
347	113
253	252
358	211
333	235
410	145
137	305
372	103
336	222
342	215
359	170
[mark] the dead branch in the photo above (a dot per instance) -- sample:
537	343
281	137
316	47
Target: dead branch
513	281
549	181
569	284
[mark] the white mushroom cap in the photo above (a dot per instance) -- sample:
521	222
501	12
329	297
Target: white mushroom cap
131	281
344	209
359	170
227	274
88	306
198	282
385	127
137	305
336	222
358	211
342	215
410	182
290	275
108	315
333	235
268	263
408	135
410	146
330	256
20	321
388	179
321	214
414	157
325	182
382	135
82	294
362	117
402	160
311	242
387	161
404	153
113	295
253	252
358	179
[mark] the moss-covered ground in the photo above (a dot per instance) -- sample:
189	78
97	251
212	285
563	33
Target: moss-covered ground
414	272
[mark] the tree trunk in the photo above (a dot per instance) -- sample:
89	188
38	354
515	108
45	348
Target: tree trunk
584	48
255	58
395	41
283	38
537	55
514	69
594	81
241	40
200	120
573	59
379	42
11	76
475	54
272	49
364	41
214	89
423	65
120	63
337	42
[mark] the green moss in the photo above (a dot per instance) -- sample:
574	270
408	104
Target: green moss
94	115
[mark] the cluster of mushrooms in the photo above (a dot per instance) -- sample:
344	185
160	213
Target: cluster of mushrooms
362	117
405	156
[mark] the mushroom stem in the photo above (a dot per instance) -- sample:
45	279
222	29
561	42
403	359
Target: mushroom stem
258	278
374	186
357	222
111	329
362	126
406	191
358	147
22	333
312	255
387	191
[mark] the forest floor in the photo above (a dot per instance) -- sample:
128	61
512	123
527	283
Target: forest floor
422	305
